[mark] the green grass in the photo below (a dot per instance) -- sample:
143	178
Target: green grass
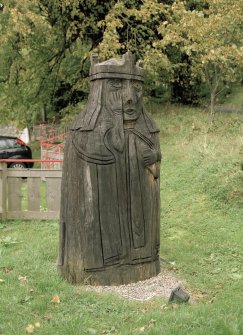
236	96
201	231
24	195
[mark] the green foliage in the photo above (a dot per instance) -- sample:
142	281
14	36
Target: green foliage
133	26
23	26
211	37
182	42
45	48
45	57
83	18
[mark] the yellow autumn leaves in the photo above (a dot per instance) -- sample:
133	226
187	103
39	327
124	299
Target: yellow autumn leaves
31	328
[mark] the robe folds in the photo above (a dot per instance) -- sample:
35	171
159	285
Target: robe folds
111	215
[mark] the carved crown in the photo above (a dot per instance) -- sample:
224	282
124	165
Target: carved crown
125	67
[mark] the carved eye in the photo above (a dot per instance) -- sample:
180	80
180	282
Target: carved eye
115	83
137	85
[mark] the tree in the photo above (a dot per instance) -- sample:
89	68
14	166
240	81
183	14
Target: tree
185	42
27	48
45	48
45	56
132	25
211	38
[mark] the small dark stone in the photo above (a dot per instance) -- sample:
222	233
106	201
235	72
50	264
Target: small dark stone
178	295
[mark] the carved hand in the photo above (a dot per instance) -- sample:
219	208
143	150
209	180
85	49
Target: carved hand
150	156
117	133
115	102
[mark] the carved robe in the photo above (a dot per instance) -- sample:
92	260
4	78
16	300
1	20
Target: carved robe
112	218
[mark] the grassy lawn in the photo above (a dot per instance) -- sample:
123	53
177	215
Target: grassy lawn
236	97
201	231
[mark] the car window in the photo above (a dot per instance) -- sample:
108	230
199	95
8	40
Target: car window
9	143
2	144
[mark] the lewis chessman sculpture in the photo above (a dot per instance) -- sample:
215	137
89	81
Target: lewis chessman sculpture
110	206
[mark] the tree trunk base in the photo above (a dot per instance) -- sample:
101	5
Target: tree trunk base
123	274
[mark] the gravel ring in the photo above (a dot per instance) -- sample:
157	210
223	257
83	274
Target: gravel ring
158	286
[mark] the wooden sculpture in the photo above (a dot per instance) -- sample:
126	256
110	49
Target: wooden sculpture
110	201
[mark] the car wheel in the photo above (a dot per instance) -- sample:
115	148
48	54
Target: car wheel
17	165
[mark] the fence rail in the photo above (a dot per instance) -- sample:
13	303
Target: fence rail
29	193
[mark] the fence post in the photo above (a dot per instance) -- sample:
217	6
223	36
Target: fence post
3	191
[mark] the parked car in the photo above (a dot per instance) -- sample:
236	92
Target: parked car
14	148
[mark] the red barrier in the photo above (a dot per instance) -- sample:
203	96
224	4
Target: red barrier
51	149
31	160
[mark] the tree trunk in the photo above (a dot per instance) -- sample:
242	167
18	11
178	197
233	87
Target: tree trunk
44	114
212	107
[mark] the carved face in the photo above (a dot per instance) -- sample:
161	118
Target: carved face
128	93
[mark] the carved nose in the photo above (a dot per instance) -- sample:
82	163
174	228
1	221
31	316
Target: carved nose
129	96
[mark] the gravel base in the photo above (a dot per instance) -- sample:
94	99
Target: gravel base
159	286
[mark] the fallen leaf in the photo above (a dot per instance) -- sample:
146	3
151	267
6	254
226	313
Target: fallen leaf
165	306
37	324
218	285
47	317
22	280
199	295
151	323
174	306
147	326
55	299
6	269
30	329
109	331
211	301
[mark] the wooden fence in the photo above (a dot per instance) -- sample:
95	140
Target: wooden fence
29	193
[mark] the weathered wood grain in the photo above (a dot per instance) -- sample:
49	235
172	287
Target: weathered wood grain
3	190
53	193
109	226
11	182
14	194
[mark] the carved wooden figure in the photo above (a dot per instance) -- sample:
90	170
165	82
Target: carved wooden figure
110	206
